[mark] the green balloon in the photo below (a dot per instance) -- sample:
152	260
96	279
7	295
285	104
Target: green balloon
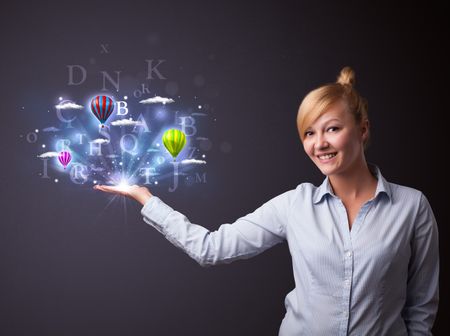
174	140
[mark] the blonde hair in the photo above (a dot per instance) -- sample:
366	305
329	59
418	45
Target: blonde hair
318	101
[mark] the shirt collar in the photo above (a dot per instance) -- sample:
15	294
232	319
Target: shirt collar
382	185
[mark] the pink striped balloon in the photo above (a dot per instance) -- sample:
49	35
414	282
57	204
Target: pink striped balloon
64	158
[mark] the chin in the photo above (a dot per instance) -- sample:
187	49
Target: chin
326	169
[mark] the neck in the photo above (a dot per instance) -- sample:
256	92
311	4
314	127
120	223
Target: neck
355	182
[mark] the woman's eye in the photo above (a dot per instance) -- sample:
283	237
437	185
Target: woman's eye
333	128
307	133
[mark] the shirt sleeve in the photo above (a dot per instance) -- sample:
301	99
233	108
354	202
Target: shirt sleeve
422	298
245	238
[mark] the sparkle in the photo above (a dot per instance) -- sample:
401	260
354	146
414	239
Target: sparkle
125	97
203	156
36	130
156	182
56	180
60	98
200	107
120	163
95	182
43	146
123	185
157	145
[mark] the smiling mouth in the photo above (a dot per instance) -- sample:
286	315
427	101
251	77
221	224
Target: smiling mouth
327	156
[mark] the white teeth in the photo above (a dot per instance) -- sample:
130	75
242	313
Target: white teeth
328	156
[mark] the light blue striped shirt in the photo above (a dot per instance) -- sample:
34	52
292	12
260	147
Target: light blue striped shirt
379	278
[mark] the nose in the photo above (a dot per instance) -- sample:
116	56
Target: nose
321	143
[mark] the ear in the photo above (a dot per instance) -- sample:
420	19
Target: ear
365	128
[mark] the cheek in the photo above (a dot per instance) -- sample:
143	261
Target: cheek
307	147
343	141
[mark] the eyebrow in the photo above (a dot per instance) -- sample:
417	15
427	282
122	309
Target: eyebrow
326	122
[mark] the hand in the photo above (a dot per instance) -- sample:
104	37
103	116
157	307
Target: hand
140	194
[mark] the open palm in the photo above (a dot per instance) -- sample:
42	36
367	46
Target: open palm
138	193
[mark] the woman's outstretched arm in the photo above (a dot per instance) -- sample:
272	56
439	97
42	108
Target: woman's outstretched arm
246	237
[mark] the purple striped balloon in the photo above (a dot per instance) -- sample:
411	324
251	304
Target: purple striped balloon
64	158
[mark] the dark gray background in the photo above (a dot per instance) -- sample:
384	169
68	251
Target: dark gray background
69	268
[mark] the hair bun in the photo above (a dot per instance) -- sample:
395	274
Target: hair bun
346	77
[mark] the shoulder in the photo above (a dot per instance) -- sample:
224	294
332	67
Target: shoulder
402	194
416	203
301	191
304	189
410	200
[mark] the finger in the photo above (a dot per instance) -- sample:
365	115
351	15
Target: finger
108	189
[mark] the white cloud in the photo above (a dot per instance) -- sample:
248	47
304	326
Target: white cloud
48	155
100	141
193	161
156	100
94	168
126	122
68	105
51	129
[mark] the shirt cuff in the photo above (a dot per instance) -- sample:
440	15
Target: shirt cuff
156	211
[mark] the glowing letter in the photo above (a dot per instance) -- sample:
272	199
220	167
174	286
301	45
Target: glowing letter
143	124
123	141
114	83
175	177
62	145
83	74
184	125
153	69
77	173
122	106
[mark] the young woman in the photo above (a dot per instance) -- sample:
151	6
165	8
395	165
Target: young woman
364	251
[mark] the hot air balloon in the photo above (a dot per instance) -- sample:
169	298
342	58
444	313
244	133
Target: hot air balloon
64	158
102	107
174	140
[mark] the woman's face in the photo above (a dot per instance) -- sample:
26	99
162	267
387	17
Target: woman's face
335	132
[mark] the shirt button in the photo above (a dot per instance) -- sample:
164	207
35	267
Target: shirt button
347	282
349	254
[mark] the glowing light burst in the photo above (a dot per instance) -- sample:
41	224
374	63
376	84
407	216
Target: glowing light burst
121	182
124	186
